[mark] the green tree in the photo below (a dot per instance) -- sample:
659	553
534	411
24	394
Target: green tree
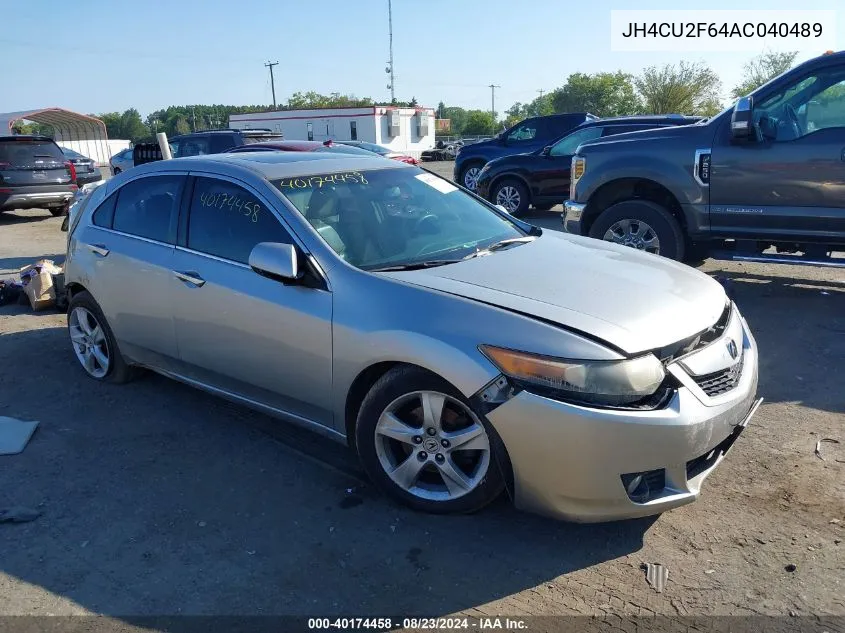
457	119
181	126
602	94
479	123
113	123
761	69
688	88
132	127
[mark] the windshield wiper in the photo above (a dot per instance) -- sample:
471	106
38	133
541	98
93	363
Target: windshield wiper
431	263
500	245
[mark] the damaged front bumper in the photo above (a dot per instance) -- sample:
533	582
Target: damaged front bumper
588	465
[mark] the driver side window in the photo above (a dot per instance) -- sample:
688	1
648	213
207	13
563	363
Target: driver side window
525	131
814	103
568	144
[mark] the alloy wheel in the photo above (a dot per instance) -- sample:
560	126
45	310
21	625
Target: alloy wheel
432	446
634	233
89	342
471	178
508	196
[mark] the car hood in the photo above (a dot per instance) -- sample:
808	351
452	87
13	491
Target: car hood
632	300
656	135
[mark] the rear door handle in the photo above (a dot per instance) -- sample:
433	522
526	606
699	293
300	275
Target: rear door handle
190	277
99	249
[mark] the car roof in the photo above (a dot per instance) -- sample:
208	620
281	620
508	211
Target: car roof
25	137
643	118
273	165
291	146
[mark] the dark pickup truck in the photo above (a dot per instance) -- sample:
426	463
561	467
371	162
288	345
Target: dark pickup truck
762	181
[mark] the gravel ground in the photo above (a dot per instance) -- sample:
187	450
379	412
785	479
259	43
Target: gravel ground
157	499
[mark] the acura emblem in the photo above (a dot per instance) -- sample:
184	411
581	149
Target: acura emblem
732	350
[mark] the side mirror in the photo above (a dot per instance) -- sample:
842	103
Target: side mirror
276	261
547	150
742	120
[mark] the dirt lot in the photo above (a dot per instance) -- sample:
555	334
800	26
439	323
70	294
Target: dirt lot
158	499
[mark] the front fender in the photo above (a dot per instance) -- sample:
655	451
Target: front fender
675	176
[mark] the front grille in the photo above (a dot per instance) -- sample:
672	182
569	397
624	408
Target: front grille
721	381
700	340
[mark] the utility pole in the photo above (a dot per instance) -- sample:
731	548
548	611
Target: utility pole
389	69
193	120
493	99
541	91
270	65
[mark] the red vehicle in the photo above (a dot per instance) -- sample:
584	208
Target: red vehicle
340	147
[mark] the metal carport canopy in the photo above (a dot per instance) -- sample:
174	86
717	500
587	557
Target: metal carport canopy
84	134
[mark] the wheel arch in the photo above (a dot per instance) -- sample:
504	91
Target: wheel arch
634	188
511	176
363	383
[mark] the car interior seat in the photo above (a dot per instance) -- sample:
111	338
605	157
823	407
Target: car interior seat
321	213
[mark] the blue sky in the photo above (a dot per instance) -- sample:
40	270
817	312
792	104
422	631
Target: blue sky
100	56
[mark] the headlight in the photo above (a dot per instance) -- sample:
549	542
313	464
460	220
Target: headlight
579	166
608	383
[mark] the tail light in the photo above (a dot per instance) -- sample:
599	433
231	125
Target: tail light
72	171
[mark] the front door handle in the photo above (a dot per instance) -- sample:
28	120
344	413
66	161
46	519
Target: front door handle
99	249
191	278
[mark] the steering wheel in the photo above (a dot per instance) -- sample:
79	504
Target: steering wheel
793	120
427	224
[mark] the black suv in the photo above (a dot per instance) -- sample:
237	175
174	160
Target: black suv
526	136
218	141
541	178
34	174
767	172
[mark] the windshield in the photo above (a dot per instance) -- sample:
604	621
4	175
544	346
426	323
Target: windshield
388	217
344	149
372	147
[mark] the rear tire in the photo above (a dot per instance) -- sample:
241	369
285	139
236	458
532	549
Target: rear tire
89	331
641	224
511	194
59	212
420	442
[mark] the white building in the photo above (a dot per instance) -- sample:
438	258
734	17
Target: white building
406	130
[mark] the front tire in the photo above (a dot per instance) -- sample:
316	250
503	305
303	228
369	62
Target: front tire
469	175
58	212
422	444
511	194
93	341
643	225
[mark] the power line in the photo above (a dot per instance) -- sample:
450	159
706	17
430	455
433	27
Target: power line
493	99
270	65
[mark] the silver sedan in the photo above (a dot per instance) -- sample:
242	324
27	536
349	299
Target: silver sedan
457	350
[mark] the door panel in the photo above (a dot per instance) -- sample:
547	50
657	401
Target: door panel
241	332
552	172
781	190
789	182
129	251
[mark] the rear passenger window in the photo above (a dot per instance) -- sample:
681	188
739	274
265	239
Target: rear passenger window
104	214
147	207
227	221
